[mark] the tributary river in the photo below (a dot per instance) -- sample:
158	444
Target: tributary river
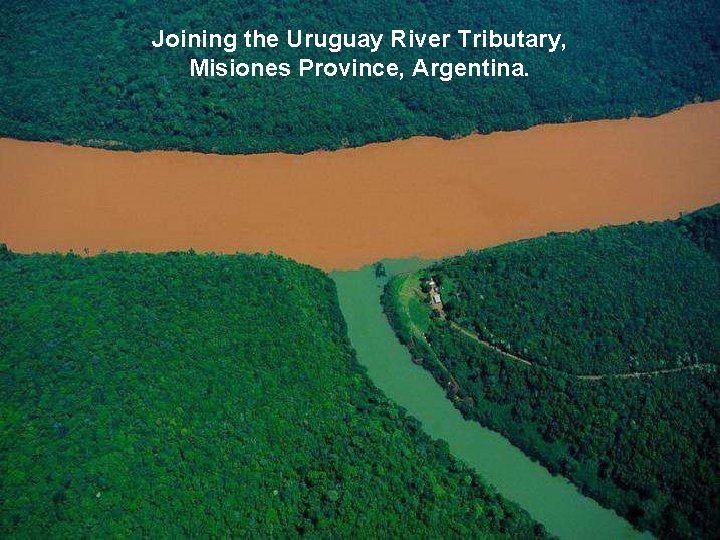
551	500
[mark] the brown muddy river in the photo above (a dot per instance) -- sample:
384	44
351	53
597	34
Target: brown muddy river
338	210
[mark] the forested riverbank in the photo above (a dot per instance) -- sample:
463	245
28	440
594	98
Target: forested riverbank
618	300
181	395
86	73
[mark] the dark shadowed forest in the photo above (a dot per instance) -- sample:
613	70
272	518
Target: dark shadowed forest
85	71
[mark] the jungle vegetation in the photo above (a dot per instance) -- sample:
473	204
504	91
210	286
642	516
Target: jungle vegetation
588	310
85	72
183	395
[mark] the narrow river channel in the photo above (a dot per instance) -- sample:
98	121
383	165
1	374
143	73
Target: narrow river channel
551	500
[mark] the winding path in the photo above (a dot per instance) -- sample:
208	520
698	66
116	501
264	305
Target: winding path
591	377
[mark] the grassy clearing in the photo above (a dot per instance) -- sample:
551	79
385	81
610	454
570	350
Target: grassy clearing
413	302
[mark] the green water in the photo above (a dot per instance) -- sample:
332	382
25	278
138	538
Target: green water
551	500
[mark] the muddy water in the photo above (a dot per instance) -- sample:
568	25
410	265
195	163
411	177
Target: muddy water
421	197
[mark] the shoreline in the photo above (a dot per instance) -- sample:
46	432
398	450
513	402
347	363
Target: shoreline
116	146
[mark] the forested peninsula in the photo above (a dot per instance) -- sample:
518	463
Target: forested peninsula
595	352
86	72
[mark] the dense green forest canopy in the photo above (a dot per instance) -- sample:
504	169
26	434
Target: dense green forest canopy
85	71
631	298
181	395
644	445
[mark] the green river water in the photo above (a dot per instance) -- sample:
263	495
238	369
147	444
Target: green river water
551	500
